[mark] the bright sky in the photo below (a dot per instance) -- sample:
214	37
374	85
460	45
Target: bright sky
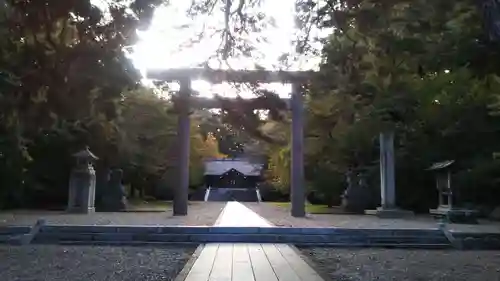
163	45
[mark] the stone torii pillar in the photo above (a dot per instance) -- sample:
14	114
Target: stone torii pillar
180	206
387	177
297	192
388	208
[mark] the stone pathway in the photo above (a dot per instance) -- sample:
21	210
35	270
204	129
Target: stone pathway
252	262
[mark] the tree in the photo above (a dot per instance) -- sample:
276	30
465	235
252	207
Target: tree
148	143
421	68
66	69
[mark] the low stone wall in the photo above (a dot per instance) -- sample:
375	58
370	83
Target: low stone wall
133	235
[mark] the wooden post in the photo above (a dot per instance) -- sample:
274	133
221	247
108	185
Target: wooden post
450	193
297	168
440	191
180	207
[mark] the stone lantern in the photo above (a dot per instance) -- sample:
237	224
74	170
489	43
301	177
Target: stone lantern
443	185
357	196
82	183
114	197
447	208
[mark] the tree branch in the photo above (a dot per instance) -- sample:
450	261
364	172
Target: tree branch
62	34
48	29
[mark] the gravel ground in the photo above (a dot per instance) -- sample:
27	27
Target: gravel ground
280	216
199	213
75	263
404	265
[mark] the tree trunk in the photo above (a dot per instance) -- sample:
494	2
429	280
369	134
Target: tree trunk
132	190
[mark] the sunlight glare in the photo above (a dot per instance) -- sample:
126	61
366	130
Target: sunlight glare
163	45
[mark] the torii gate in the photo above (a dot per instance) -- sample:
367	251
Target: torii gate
184	78
298	79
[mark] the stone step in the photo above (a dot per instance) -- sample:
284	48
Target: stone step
54	237
478	241
178	234
4	238
237	230
438	246
13	234
14	230
304	245
12	239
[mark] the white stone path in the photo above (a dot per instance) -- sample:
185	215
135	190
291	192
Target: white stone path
248	262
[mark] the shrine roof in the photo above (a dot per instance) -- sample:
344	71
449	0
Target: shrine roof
441	165
220	166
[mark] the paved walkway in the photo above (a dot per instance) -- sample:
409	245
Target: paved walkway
249	262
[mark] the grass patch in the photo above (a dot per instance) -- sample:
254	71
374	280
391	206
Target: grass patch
140	204
310	208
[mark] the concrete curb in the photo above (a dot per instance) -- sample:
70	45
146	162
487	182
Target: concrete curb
302	245
54	234
453	241
189	264
477	240
27	238
108	229
121	243
14	235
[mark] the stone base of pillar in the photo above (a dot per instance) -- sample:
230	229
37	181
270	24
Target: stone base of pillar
392	213
454	215
80	210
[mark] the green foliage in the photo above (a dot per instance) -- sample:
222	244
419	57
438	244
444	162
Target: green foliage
310	208
65	83
148	143
425	69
